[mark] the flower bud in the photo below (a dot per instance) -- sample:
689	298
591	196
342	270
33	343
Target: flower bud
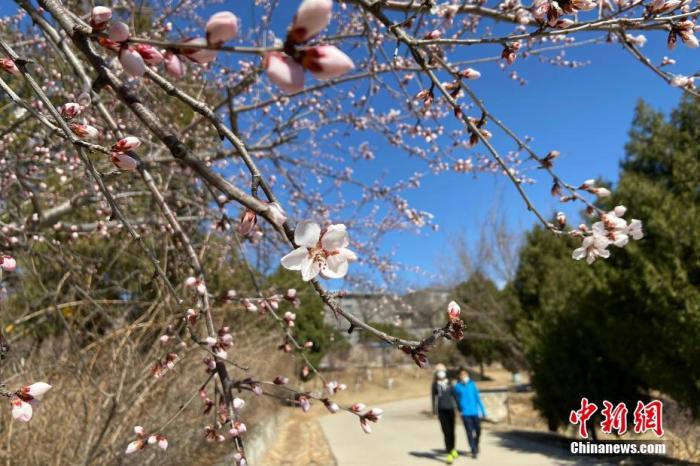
311	18
199	55
119	32
132	63
174	66
84	131
326	62
123	161
221	27
284	72
149	53
70	110
9	66
127	143
100	17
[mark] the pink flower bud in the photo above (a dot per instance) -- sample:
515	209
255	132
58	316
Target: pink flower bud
620	211
311	18
70	110
470	73
199	55
100	17
84	131
22	411
291	293
135	446
36	389
210	341
9	66
162	442
164	339
280	380
132	62
123	161
453	310
326	62
276	213
247	223
284	72
174	66
238	403
149	53
308	344
358	407
221	27
365	426
139	431
8	263
190	281
119	32
332	407
127	143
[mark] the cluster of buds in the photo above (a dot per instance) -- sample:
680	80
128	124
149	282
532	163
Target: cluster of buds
120	156
551	11
24	400
191	317
589	186
291	297
510	52
611	229
286	69
455	325
164	365
221	27
8	263
249	305
221	343
685	82
9	66
417	354
373	415
426	96
686	31
659	7
143	440
196	284
479	124
463	166
211	434
334	387
289	318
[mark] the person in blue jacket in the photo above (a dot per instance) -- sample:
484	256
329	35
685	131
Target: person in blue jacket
470	408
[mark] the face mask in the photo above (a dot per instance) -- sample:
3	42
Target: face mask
441	374
464	378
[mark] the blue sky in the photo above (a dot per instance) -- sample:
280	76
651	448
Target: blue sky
584	113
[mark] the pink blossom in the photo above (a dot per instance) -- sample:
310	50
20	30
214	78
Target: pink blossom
320	251
84	131
284	72
326	62
174	66
9	66
331	406
8	263
127	143
221	27
470	73
592	247
238	403
36	389
365	426
100	17
135	446
149	53
123	161
70	110
311	18
21	410
453	310
132	62
357	407
118	32
139	431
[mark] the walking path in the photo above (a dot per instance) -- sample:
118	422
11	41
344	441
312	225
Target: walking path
406	436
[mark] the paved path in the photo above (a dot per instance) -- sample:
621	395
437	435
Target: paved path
406	436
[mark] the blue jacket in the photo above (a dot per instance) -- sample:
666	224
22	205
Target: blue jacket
468	399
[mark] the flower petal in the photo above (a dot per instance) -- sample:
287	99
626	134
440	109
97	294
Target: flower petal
307	234
335	238
294	259
336	266
309	269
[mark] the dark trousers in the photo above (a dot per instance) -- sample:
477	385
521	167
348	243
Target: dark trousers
447	423
473	426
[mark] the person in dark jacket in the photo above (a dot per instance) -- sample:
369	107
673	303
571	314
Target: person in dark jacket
470	408
444	405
